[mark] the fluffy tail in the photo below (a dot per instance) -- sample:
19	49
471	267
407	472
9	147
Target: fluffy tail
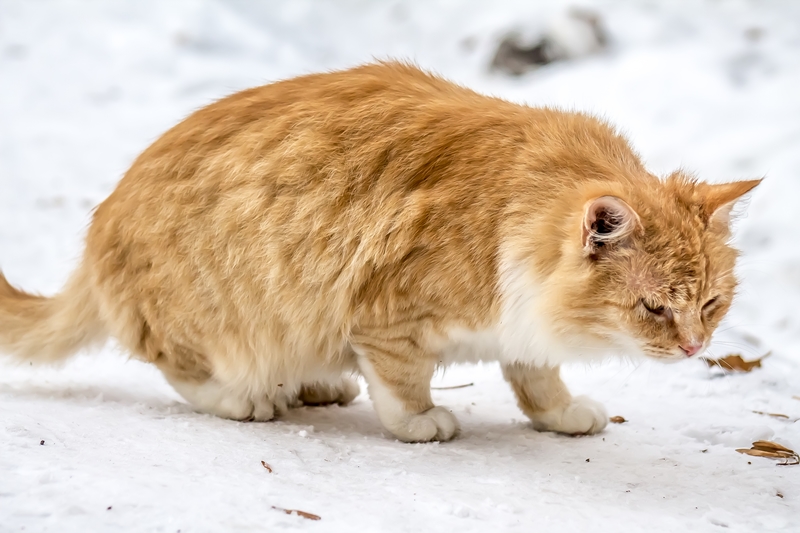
46	330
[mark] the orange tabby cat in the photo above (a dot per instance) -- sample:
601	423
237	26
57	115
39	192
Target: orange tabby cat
385	221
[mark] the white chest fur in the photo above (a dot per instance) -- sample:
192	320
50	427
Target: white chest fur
526	332
531	345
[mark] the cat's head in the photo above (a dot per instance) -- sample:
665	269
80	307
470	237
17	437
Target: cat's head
652	264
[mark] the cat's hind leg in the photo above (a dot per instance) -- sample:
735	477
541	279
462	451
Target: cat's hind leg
213	398
398	376
545	399
192	375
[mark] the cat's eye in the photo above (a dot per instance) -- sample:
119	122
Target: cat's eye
658	310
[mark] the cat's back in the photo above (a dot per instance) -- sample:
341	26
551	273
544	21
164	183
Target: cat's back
317	185
304	203
348	129
376	161
314	152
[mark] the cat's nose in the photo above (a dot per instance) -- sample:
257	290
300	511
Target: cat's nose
691	348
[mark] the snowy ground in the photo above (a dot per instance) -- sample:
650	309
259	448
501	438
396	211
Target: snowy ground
711	86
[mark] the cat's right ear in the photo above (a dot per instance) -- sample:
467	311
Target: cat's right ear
607	222
720	200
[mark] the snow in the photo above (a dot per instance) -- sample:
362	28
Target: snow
710	86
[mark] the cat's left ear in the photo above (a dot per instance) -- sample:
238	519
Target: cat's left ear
720	199
607	221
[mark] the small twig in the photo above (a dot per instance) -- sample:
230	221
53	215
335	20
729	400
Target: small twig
266	465
304	514
453	387
775	415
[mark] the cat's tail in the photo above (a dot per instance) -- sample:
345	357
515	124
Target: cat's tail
47	330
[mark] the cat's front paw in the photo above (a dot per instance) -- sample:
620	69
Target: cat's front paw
583	416
434	424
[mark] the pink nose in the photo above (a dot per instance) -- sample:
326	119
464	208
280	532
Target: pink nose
691	348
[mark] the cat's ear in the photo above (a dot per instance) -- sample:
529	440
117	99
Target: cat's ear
720	199
607	221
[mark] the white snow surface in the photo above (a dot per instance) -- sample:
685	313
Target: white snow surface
708	86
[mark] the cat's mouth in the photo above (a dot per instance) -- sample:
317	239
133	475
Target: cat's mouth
672	356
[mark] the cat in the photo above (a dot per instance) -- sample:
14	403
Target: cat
385	222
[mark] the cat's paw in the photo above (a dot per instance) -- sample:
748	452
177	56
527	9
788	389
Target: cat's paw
583	416
266	408
212	398
231	407
342	392
434	424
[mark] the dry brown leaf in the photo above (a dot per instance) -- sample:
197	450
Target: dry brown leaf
453	387
768	445
734	362
617	420
764	453
771	450
266	465
304	514
774	415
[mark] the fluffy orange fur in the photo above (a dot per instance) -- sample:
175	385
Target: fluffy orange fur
382	220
